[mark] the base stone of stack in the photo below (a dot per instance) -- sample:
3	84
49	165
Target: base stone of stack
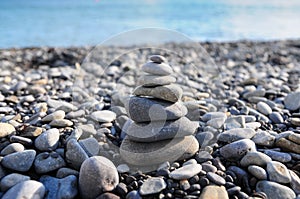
144	154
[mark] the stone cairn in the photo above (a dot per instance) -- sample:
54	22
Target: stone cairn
158	130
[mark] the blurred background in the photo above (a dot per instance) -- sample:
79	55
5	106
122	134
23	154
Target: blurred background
26	23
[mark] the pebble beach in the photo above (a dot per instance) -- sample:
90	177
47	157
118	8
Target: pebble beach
63	114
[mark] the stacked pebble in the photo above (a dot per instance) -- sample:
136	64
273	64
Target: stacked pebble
158	129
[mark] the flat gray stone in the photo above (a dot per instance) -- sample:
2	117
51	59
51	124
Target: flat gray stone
292	101
263	138
278	172
90	146
236	134
60	123
156	80
45	162
255	158
213	115
258	172
236	150
48	140
185	172
144	154
156	131
19	161
215	178
171	93
26	189
65	188
12	148
157	68
11	180
103	116
54	116
264	108
75	154
6	129
146	110
276	118
157	58
274	190
64	172
97	175
153	185
278	156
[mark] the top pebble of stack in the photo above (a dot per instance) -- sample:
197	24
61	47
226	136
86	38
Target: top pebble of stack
157	66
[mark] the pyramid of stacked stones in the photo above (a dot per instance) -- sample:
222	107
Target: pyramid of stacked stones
158	130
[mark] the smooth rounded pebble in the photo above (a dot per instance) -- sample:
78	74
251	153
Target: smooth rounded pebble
258	172
156	131
54	116
157	58
65	188
171	93
45	162
278	172
236	150
97	175
186	172
157	68
213	115
90	146
255	158
11	180
144	154
152	186
60	123
264	108
292	101
6	129
11	148
75	154
278	156
295	182
103	116
156	80
215	178
145	110
48	140
19	161
26	189
236	134
213	192
274	190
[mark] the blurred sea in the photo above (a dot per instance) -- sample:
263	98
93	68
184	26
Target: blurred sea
26	23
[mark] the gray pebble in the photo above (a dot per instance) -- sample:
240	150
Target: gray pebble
264	108
153	185
255	158
12	179
48	140
278	172
45	162
215	178
236	134
26	189
274	190
97	175
11	148
19	161
65	188
278	156
258	172
186	172
237	149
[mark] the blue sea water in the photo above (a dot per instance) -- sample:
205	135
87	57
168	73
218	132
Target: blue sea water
26	23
